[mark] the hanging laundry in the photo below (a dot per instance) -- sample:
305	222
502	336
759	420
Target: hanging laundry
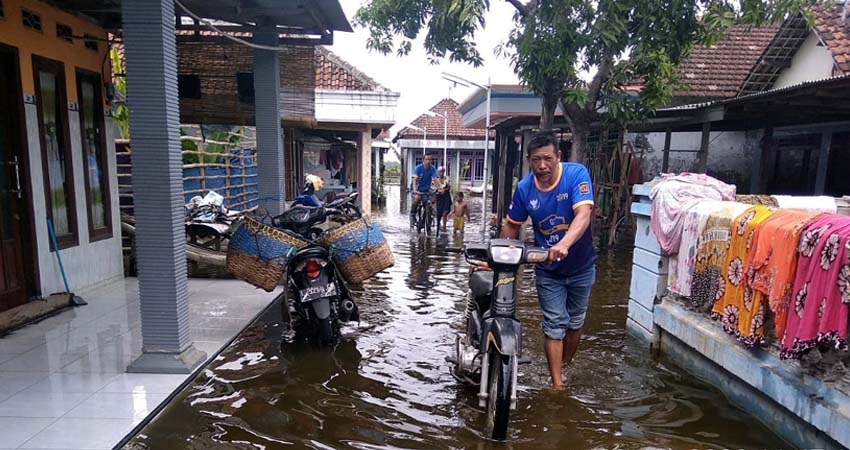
674	195
682	268
708	284
764	200
774	259
741	308
816	203
821	295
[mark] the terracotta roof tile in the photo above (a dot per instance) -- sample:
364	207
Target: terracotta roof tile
833	26
333	73
719	71
434	125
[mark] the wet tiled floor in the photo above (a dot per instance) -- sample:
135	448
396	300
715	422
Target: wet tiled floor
62	380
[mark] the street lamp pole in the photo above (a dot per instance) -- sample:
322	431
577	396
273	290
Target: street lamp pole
464	82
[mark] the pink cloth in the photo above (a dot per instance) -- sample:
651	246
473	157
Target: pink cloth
821	296
674	195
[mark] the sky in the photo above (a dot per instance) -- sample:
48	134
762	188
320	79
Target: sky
417	80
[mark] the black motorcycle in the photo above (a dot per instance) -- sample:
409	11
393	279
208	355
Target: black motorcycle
322	299
488	352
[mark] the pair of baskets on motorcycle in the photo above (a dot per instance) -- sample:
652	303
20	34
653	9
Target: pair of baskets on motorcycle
316	251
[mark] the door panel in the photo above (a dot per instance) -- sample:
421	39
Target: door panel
13	276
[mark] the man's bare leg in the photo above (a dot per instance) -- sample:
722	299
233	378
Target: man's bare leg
554	349
571	345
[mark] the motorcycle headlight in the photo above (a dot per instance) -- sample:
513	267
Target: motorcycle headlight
506	255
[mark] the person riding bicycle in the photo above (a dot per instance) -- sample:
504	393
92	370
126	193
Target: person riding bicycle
423	179
312	184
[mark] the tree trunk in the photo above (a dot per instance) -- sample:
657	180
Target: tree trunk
547	119
580	130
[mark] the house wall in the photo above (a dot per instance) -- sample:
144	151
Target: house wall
811	62
45	43
89	263
730	154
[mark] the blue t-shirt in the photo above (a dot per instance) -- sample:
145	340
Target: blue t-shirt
552	211
425	177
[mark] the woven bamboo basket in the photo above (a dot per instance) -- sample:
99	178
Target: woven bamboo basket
258	253
359	250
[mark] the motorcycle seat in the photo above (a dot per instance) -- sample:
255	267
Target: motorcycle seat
481	283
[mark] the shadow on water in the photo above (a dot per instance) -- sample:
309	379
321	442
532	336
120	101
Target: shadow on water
387	385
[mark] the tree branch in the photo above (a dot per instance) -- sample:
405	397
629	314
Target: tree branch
598	80
523	9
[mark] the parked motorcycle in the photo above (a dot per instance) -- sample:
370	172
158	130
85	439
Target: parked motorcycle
322	299
488	352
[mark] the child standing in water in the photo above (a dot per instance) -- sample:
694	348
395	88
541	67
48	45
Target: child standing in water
461	211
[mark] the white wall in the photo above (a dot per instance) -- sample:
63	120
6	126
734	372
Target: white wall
88	264
811	62
730	155
363	107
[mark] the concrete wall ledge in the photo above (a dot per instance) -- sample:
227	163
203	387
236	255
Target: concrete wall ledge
813	401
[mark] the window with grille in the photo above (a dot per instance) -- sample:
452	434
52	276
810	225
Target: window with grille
31	20
64	32
91	42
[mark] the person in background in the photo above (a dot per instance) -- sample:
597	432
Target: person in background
444	197
423	179
558	198
461	211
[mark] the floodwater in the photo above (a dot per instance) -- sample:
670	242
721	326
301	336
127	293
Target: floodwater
387	385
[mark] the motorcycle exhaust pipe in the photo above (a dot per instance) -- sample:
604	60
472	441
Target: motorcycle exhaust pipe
348	311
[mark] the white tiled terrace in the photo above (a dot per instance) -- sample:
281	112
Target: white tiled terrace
62	380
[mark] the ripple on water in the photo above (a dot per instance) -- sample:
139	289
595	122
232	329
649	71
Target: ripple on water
387	385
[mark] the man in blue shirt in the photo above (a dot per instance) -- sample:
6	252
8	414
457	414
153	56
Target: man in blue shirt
558	197
423	177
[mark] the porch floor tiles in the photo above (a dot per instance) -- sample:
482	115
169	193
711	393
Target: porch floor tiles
62	380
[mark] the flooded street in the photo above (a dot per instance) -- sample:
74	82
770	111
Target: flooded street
387	385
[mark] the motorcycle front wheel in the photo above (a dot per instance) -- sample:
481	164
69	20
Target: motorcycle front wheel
499	398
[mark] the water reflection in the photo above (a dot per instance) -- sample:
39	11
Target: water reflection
388	385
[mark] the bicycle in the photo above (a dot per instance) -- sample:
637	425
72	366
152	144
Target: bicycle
424	214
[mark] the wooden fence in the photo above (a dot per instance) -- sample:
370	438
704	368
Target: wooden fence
226	166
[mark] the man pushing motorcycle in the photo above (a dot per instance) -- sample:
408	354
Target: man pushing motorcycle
558	198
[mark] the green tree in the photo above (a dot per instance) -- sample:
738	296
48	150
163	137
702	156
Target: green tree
577	54
122	112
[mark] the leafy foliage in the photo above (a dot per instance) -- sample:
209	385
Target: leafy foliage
581	54
122	112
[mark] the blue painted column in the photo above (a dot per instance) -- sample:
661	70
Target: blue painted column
151	52
270	164
649	270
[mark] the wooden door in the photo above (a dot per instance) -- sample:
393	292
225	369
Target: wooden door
13	271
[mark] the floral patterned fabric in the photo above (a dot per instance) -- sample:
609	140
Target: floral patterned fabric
742	308
774	259
682	268
674	196
708	284
821	294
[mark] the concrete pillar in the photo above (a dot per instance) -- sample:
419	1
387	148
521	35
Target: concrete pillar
270	163
364	172
649	271
758	181
151	51
823	161
456	173
702	163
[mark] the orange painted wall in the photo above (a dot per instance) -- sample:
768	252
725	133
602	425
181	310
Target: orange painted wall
46	44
